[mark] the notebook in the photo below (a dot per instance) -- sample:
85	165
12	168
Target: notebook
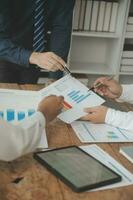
127	151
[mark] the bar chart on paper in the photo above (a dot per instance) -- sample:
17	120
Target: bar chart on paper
77	96
16	105
89	132
11	115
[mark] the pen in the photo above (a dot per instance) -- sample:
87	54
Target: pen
66	69
100	84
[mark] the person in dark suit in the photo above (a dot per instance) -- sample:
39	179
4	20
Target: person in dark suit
19	55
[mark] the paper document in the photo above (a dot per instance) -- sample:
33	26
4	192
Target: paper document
127	151
18	104
15	105
106	159
76	97
95	133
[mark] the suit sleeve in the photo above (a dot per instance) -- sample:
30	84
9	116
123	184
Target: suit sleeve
17	140
9	51
61	28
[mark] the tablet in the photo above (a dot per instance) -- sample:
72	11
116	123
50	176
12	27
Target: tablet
79	170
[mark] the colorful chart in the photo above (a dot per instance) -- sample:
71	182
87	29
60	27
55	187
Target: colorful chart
11	114
20	115
77	96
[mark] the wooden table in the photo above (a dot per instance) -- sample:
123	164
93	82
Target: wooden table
39	184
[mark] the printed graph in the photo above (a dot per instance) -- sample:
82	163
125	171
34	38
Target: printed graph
77	96
112	135
11	114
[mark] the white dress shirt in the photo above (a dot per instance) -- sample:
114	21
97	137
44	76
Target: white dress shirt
17	140
118	118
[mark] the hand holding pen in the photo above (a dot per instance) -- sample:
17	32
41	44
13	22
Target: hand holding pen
107	86
66	69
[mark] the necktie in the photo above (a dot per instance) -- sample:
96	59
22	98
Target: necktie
39	25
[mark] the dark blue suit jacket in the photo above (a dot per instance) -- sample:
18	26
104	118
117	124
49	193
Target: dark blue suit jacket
16	29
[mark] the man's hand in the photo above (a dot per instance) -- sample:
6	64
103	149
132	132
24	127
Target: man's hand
95	114
47	60
109	88
51	106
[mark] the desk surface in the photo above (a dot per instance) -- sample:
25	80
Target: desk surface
39	184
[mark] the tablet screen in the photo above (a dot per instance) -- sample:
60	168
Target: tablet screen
77	168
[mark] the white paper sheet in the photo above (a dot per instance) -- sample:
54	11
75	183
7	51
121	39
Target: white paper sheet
106	159
16	105
95	133
76	97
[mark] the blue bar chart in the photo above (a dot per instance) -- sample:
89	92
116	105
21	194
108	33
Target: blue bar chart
11	115
20	115
77	96
1	114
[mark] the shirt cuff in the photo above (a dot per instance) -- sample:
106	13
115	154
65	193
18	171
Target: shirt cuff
110	116
113	117
24	57
126	94
123	95
41	119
